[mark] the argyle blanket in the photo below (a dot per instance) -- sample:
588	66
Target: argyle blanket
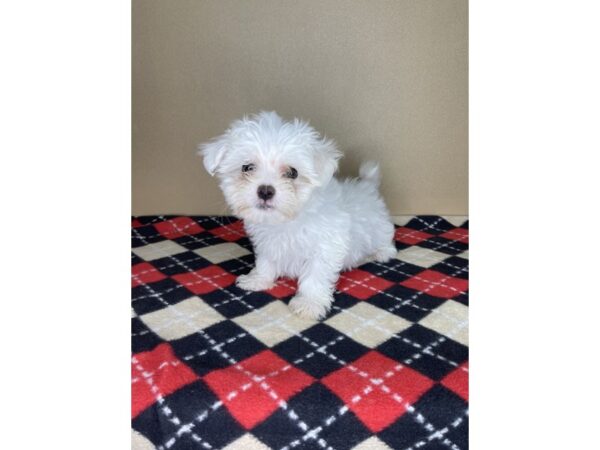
215	367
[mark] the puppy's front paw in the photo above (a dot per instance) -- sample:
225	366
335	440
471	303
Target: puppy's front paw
310	308
253	282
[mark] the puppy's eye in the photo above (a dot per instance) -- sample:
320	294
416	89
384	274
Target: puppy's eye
247	168
292	173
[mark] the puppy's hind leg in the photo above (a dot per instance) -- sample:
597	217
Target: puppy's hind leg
384	254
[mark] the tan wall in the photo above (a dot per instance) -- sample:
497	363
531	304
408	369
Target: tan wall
386	79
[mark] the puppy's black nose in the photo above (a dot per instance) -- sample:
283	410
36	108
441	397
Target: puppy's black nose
265	192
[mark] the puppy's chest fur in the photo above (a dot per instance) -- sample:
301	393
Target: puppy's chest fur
290	246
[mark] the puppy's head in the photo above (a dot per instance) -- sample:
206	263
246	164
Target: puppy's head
269	168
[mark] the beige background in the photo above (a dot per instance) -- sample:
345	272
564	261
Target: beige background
386	79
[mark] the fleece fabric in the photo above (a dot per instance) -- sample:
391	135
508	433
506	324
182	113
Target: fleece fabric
214	366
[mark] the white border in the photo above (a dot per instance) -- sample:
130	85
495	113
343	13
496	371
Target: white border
66	189
65	115
534	127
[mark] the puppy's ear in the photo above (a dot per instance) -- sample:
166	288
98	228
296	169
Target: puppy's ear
326	160
212	153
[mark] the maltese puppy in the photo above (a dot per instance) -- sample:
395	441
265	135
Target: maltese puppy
303	223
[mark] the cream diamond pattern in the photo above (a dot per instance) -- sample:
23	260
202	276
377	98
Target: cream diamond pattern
158	250
450	319
367	324
422	257
222	252
182	319
273	323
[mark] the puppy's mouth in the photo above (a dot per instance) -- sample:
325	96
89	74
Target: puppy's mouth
264	206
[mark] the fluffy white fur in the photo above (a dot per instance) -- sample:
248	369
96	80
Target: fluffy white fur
314	226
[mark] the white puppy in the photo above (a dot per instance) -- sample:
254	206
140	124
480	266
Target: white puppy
303	223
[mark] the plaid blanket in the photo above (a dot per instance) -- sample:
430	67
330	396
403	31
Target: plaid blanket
214	366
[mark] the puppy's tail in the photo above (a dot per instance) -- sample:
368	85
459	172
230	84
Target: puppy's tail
369	171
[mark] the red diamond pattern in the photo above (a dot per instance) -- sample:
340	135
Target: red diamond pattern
177	227
458	234
366	396
230	232
361	284
437	284
143	273
410	236
251	401
458	381
284	288
155	374
205	280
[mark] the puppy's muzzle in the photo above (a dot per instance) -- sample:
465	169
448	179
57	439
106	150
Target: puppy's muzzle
265	192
